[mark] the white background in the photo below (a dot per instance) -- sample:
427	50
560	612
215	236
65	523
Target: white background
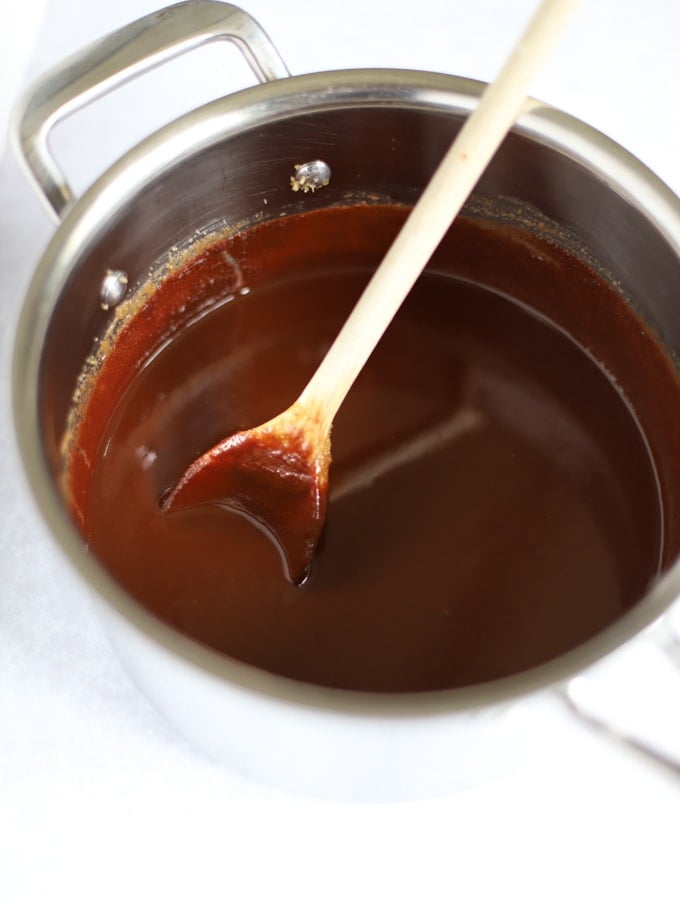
101	801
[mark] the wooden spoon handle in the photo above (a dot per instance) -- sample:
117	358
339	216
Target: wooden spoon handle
439	204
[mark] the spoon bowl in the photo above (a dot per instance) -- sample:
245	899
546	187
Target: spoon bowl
276	475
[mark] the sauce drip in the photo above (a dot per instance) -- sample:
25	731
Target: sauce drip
496	497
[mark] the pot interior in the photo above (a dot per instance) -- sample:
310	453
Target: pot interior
546	180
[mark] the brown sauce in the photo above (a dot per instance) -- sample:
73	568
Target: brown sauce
496	495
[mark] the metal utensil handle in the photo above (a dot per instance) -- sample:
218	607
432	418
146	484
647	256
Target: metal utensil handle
661	639
114	60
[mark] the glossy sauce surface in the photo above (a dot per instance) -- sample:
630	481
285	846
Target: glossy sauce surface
496	498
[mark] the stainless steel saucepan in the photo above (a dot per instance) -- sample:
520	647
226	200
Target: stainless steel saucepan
380	132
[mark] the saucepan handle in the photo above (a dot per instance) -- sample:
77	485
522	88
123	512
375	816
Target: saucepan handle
634	698
123	55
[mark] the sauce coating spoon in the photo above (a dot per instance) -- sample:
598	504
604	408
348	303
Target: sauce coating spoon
277	473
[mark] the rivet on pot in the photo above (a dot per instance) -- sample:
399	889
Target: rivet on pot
310	176
113	288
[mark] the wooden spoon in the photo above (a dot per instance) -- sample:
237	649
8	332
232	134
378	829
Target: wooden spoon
277	473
